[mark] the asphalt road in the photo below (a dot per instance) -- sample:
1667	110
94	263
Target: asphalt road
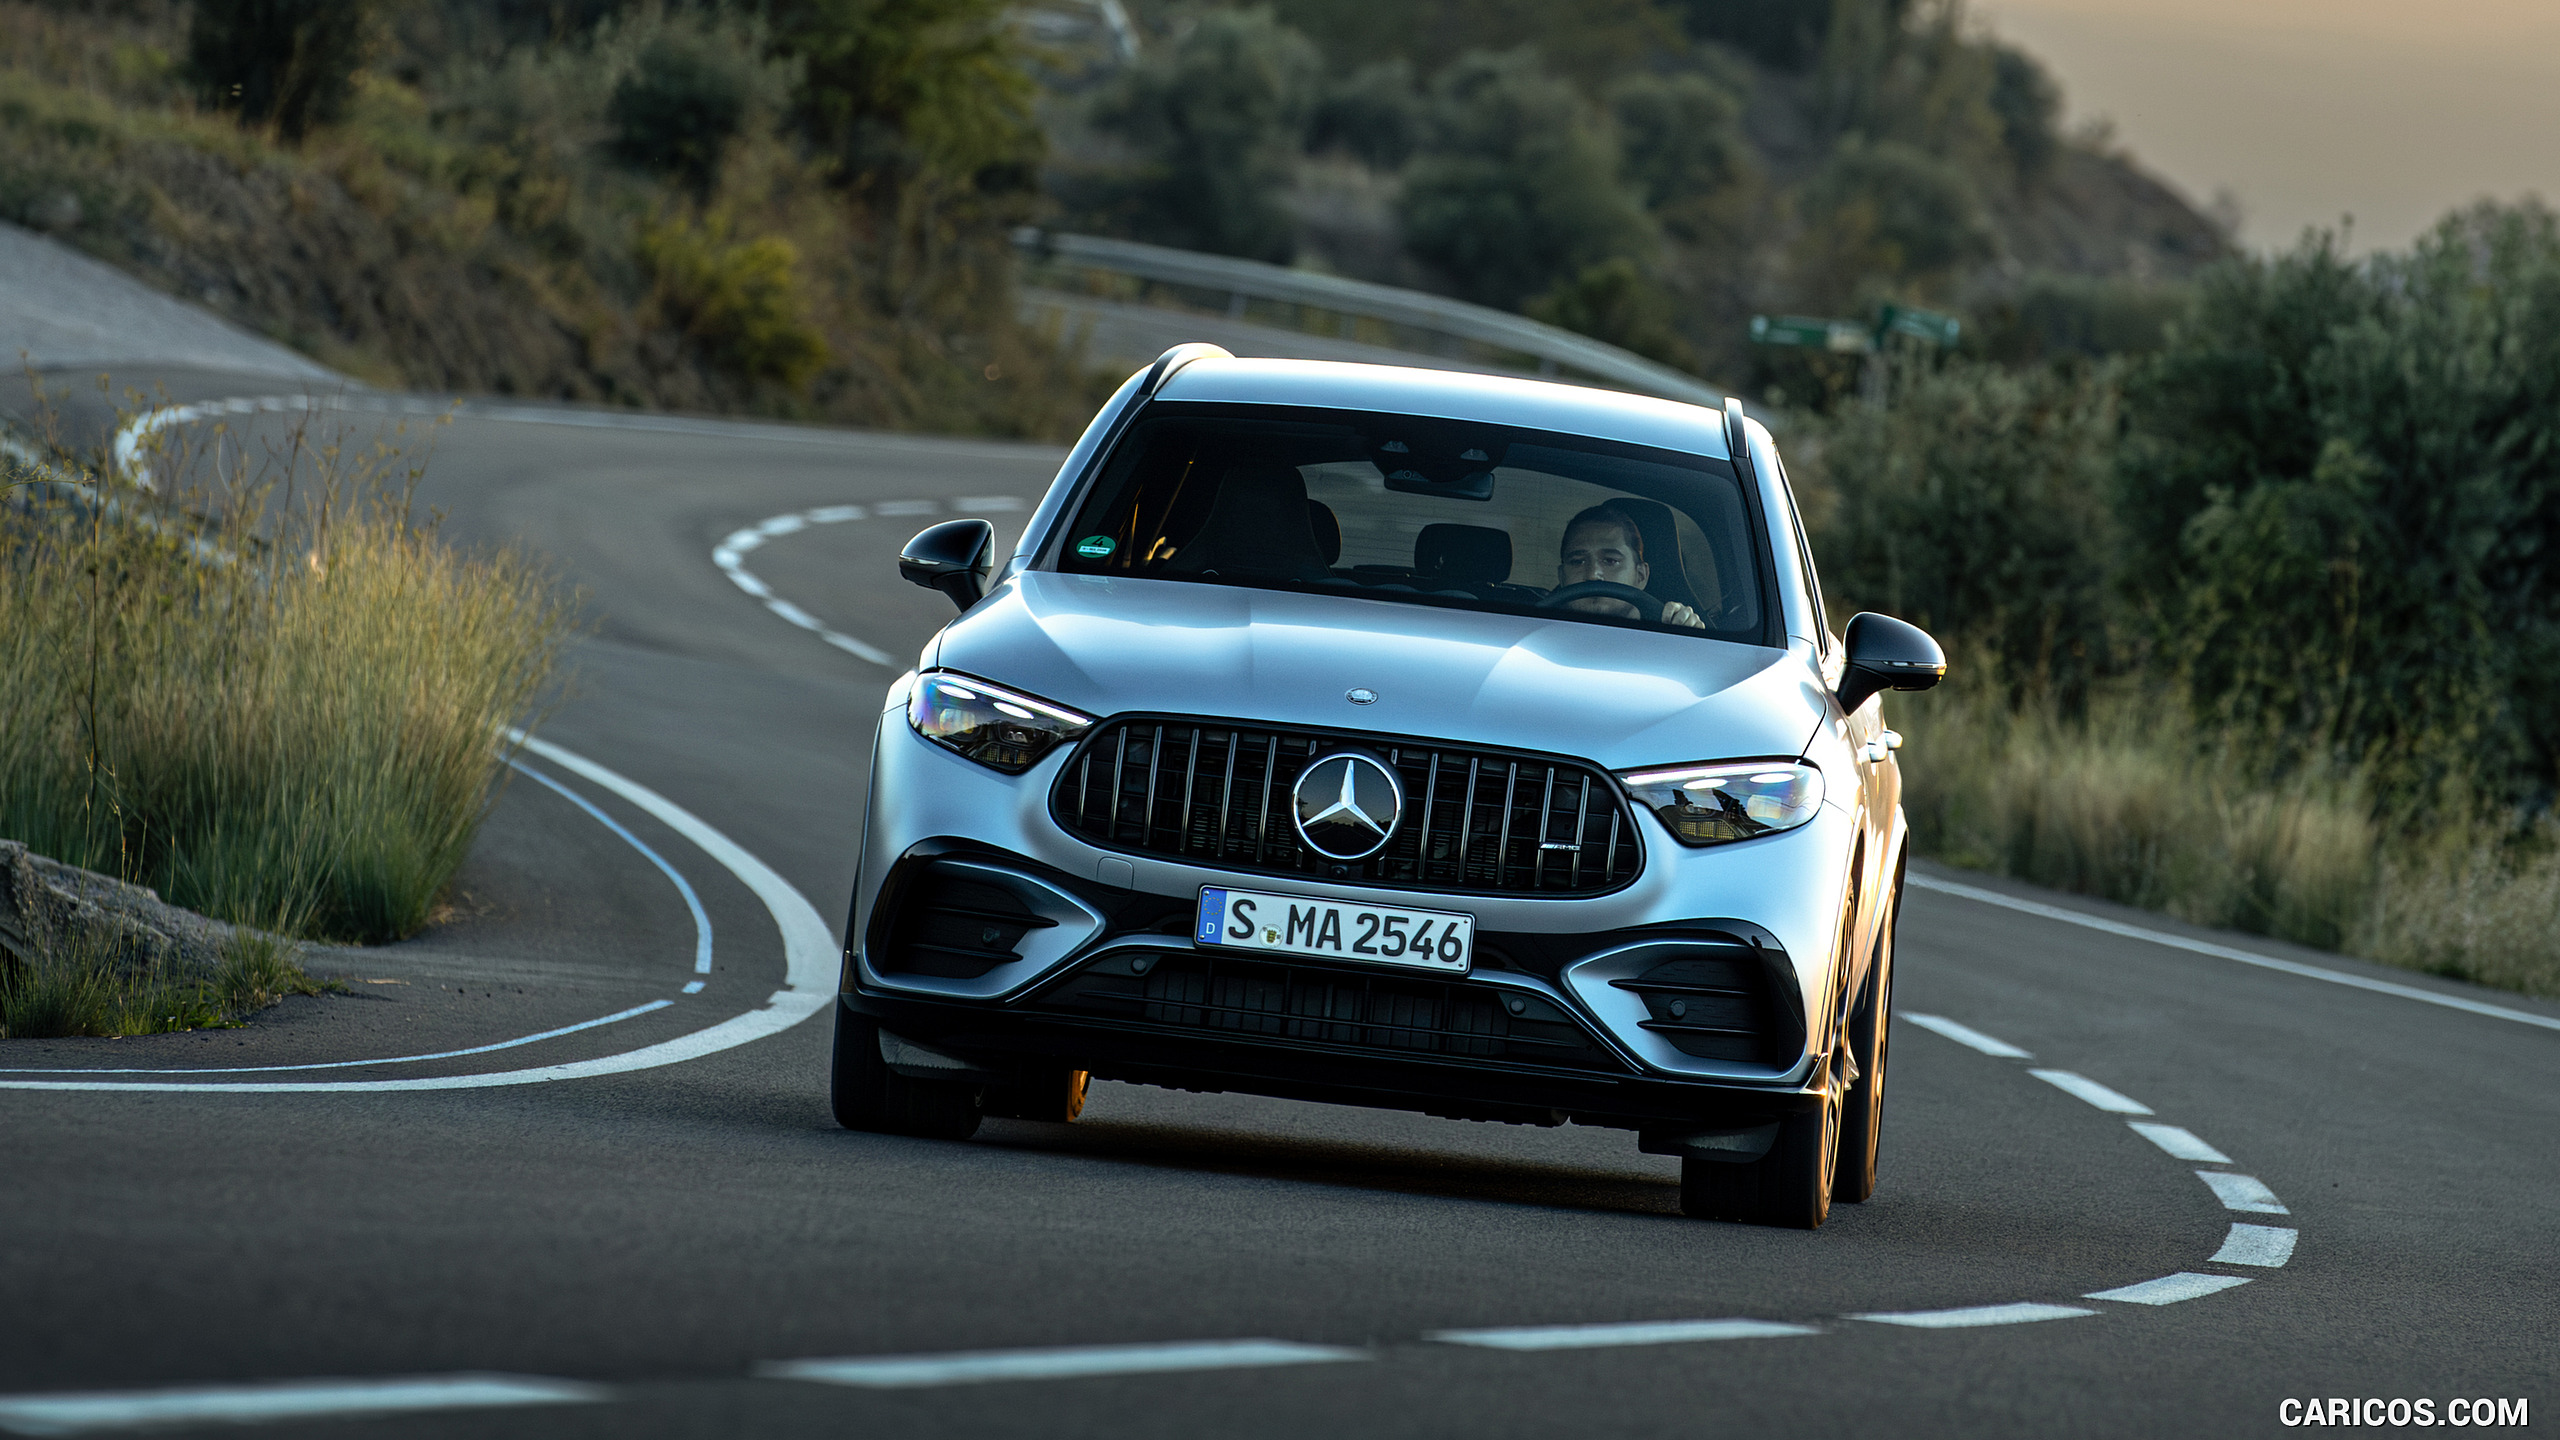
649	1242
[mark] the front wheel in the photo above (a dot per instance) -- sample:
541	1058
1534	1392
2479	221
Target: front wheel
1790	1186
868	1095
1862	1110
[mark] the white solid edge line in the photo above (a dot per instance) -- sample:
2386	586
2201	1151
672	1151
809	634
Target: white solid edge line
85	1412
1967	1036
2242	1192
1065	1362
2269	1246
692	902
2169	1289
636	1010
2225	952
1633	1332
2180	1143
1970	1316
2114	1102
812	968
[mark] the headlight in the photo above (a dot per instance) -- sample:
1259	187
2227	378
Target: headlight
1713	804
996	727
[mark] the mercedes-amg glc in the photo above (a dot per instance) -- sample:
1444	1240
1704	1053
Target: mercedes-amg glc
1395	737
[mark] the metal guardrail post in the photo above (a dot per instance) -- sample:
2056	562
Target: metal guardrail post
1555	351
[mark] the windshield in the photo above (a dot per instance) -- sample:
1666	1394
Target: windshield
1426	511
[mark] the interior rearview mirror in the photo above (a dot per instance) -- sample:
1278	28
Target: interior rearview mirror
1887	654
954	557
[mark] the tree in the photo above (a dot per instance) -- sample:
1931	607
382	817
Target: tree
1517	186
899	90
1217	119
292	62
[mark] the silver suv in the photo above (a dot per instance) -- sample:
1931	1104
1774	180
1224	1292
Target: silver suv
1400	738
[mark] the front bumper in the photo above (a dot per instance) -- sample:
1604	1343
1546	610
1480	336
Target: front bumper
1573	955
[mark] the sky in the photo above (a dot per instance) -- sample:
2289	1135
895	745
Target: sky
2305	111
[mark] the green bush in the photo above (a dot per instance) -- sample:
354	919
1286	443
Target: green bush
739	300
1907	213
1216	118
1373	114
2341	493
1976	505
1516	189
906	90
1616	302
292	62
1680	136
676	109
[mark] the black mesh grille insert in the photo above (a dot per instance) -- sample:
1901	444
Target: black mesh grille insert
1201	991
1712	1003
956	927
1218	793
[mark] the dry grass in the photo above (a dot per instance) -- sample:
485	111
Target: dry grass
2134	804
298	735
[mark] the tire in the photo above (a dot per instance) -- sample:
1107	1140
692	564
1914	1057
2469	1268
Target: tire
868	1095
1790	1186
1862	1109
1053	1094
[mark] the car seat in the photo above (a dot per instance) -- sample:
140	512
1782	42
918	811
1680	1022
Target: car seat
1259	524
1668	582
1462	554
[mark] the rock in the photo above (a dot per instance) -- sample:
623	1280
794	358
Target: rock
47	907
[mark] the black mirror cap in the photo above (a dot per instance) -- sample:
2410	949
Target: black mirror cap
954	557
1888	654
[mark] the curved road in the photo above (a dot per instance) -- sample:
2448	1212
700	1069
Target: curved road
650	1251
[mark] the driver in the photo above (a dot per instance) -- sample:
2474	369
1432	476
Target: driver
1603	543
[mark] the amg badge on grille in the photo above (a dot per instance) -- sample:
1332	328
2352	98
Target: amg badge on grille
1347	805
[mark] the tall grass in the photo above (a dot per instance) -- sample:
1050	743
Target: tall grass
2133	802
276	699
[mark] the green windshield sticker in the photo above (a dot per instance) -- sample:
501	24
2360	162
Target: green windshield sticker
1094	547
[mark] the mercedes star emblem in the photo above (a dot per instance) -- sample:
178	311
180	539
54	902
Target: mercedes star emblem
1347	805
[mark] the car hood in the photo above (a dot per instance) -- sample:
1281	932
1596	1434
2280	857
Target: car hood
1622	697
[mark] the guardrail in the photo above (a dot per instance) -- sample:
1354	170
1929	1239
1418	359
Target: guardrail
1354	310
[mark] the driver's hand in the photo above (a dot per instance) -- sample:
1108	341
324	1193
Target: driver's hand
1676	613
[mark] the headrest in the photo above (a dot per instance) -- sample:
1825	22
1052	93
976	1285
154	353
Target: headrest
1473	553
1259	524
1328	530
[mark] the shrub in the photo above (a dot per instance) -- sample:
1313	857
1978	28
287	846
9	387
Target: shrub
1976	505
292	62
1216	118
901	90
289	722
1516	189
1617	302
1905	211
738	300
2342	491
1374	115
1680	136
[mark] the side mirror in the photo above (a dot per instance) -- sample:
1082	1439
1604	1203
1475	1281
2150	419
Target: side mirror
954	557
1887	654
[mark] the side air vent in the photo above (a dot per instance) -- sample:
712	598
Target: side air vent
1712	1001
959	921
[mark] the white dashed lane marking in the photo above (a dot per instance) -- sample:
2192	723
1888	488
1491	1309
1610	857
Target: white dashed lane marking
2112	1101
1065	1363
1968	1036
1971	1316
1637	1332
2263	1245
731	556
2169	1289
2242	1192
2182	1144
96	1412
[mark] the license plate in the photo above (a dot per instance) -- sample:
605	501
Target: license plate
1434	940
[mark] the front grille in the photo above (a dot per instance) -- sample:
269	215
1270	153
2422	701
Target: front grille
1217	994
1712	1002
1481	820
955	927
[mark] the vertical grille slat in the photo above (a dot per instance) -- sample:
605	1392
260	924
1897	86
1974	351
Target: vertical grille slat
1144	785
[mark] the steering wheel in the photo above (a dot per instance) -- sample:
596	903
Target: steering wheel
1648	606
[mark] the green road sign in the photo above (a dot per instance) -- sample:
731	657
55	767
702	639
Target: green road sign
1847	336
1928	325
